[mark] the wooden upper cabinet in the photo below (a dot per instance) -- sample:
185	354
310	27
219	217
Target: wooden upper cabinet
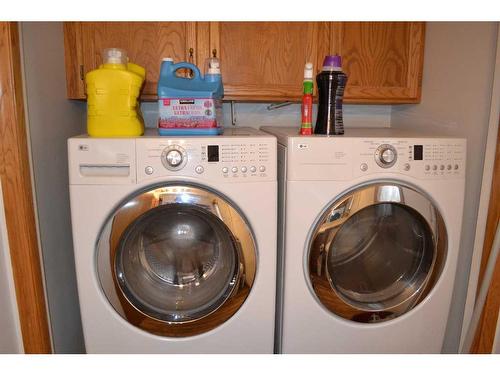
146	44
265	60
261	61
383	60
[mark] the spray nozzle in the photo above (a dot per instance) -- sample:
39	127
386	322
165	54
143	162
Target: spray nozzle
212	65
308	71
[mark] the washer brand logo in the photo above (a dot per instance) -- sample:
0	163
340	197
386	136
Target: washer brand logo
302	146
83	147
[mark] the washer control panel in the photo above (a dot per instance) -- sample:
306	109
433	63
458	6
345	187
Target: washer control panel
234	159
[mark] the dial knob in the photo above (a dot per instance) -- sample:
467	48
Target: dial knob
174	157
386	156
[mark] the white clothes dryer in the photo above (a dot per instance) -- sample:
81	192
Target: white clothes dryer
175	242
371	224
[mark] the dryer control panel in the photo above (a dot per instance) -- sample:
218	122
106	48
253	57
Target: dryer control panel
344	158
420	158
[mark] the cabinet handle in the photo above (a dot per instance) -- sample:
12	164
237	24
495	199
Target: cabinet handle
190	73
214	52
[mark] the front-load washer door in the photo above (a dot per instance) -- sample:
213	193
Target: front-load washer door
376	252
176	260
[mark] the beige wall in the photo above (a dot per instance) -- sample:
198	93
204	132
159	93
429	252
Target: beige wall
51	120
459	63
256	115
496	344
11	341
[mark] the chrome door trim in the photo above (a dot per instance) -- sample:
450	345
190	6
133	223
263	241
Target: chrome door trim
205	199
336	214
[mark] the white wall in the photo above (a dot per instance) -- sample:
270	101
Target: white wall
51	120
459	63
11	340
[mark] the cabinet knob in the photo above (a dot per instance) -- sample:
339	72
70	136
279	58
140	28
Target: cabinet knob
214	52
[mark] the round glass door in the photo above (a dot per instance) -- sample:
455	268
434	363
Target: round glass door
181	260
376	252
177	263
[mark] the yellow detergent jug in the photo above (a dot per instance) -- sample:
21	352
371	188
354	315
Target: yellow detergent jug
112	97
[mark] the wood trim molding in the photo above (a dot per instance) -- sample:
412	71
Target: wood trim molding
214	39
18	198
485	333
202	44
336	36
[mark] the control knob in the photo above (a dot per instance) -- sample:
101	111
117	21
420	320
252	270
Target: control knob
174	157
386	156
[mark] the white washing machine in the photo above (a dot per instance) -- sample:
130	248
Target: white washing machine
371	222
175	242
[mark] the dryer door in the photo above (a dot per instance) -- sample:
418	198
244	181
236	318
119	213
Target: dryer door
376	252
176	260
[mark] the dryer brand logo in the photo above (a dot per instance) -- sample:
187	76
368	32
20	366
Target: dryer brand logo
83	147
302	146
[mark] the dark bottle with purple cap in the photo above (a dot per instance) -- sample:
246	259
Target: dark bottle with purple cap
331	84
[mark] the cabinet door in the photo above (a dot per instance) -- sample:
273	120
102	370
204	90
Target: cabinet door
383	60
145	42
261	61
265	60
73	60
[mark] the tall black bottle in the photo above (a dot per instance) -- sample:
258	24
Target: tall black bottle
331	84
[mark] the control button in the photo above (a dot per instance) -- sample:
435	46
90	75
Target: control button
406	167
244	169
199	169
441	167
456	166
427	167
234	169
434	167
448	167
253	169
149	170
225	170
363	167
262	168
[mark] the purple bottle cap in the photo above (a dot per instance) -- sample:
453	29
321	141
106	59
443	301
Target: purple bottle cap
332	61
